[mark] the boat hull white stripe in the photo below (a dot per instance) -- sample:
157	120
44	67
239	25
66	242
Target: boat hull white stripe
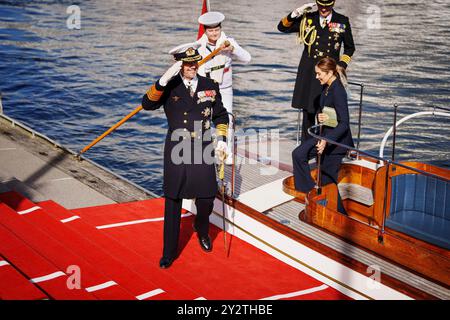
48	277
3	263
70	219
297	293
101	286
326	270
128	223
29	210
150	294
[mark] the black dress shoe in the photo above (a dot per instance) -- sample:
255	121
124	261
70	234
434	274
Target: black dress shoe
205	243
164	263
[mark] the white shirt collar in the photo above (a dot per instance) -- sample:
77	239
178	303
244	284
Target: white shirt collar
192	82
328	18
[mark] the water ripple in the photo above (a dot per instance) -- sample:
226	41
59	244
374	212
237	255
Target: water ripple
74	84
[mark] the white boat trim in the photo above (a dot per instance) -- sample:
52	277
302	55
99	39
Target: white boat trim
266	196
330	272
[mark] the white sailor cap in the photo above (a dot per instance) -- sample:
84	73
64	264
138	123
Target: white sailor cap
211	19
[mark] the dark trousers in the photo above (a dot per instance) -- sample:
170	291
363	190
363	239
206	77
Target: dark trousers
172	219
329	168
308	120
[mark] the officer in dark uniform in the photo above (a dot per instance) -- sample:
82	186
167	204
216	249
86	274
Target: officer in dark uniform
192	104
323	32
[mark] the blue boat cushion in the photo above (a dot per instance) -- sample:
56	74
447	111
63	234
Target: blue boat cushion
420	207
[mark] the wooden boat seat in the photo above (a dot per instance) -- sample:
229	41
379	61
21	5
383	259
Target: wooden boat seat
352	191
356	193
420	207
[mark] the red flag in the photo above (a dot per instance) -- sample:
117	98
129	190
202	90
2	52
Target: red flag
201	28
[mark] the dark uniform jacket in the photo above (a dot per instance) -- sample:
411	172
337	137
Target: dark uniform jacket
327	42
188	151
336	97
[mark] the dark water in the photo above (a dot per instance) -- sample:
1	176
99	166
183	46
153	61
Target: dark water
74	84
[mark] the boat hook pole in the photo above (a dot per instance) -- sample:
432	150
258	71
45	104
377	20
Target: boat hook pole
131	114
319	156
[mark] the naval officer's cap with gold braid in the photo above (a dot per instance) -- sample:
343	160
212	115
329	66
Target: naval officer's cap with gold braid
186	52
325	3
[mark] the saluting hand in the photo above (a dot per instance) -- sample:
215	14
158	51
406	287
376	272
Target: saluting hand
170	73
300	10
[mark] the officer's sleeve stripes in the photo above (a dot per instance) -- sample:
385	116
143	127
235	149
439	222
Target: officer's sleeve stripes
286	23
222	130
154	94
346	58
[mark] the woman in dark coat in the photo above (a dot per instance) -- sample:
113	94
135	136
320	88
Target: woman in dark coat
333	96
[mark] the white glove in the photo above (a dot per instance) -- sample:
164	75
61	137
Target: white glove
221	149
299	11
170	73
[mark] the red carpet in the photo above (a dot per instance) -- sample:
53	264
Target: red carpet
129	256
34	266
16	286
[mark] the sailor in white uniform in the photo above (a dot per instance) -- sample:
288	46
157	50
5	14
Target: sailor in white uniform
219	67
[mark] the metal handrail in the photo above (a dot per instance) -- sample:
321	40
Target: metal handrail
368	154
410	116
387	162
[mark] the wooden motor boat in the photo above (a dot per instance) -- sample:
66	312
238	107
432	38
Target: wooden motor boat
400	211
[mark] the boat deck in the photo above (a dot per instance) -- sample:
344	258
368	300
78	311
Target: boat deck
251	178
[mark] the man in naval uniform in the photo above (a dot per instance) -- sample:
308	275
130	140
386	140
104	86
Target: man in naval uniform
219	67
192	104
323	32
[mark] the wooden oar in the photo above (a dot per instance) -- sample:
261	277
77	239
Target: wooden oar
118	124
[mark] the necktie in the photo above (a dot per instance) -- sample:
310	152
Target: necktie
324	23
191	89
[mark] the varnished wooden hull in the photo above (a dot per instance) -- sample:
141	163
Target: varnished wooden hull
363	225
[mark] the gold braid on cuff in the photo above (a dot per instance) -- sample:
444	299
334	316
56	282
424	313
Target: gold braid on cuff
346	58
153	94
222	130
